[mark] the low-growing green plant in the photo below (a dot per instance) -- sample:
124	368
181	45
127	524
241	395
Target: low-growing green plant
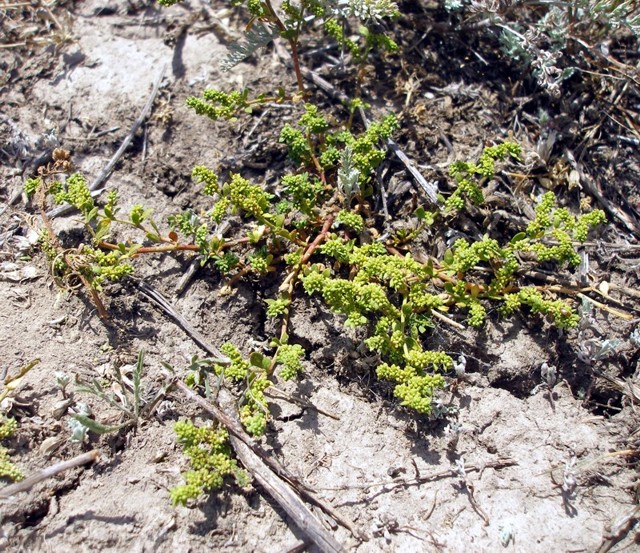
8	469
126	395
211	461
396	297
317	234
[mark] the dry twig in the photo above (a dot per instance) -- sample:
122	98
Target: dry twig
30	481
104	174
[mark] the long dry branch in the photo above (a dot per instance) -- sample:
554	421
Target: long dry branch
269	474
30	481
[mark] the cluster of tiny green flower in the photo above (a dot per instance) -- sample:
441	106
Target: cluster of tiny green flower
466	174
248	197
290	357
297	144
208	178
414	390
313	121
76	192
216	104
302	191
560	311
260	261
351	220
466	256
210	458
238	369
103	266
277	307
8	427
226	262
337	248
254	413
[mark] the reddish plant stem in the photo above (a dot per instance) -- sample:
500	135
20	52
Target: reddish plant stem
319	239
55	243
292	43
172	247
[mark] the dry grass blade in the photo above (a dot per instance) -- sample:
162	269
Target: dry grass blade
165	305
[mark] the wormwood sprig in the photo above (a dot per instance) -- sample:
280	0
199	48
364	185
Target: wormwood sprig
555	39
290	22
124	394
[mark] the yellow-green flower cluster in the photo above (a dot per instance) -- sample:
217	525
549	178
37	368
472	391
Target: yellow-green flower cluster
210	458
337	248
7	468
247	197
216	104
254	412
466	174
563	227
415	390
290	357
299	149
76	192
239	367
208	178
260	261
302	191
277	307
466	256
561	313
351	220
112	266
226	262
312	121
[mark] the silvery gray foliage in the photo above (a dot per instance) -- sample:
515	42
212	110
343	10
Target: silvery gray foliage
614	13
348	175
79	430
569	481
258	36
364	10
549	374
543	62
460	367
592	347
542	45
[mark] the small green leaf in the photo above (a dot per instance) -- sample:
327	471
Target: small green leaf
102	230
448	257
92	214
519	237
259	360
94	425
